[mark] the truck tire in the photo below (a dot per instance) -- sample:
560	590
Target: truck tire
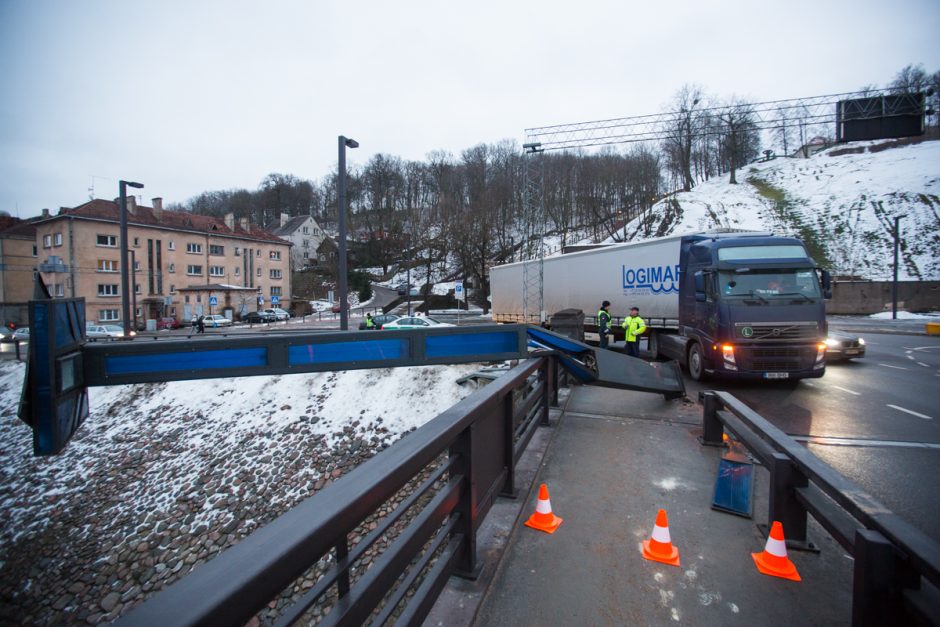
654	345
696	362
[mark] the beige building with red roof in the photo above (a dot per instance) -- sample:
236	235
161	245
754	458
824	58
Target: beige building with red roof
182	262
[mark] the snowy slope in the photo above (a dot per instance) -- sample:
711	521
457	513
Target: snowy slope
842	205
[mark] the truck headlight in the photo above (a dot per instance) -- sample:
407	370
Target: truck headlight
831	342
727	352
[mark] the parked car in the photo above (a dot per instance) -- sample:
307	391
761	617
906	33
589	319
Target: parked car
215	321
21	334
379	320
106	331
278	313
6	333
402	289
844	346
415	322
259	317
168	323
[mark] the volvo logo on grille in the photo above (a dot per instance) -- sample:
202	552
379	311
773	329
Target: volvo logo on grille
747	331
775	332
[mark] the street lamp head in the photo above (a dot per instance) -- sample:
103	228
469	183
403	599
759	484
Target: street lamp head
133	184
532	148
352	143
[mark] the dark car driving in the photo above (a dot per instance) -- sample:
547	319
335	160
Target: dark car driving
258	317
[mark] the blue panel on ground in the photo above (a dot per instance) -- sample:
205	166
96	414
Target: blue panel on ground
471	344
177	362
370	350
733	488
555	341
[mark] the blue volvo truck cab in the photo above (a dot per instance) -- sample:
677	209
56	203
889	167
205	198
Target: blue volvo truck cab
749	307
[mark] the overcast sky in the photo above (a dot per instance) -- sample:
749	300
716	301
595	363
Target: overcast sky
189	96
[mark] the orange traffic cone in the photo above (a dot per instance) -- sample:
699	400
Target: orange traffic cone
659	548
543	519
774	561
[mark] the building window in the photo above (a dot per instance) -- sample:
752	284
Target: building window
275	290
107	265
275	274
57	239
215	249
216	271
107	289
306	255
137	242
238	251
137	288
171	268
275	255
316	231
186	298
258	253
170	245
35	250
258	272
238	271
198	298
194	248
108	315
107	240
136	266
58	290
306	230
173	311
306	243
47	241
194	270
172	289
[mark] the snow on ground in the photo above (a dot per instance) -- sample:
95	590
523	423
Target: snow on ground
841	205
907	315
178	435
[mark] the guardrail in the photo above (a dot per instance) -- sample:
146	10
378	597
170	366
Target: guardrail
897	567
459	462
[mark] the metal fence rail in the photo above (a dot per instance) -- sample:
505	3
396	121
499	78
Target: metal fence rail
462	460
897	567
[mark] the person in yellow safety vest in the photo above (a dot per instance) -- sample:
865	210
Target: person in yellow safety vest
370	325
603	322
633	327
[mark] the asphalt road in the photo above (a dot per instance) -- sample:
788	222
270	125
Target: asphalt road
876	420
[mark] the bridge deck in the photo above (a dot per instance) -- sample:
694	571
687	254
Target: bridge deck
615	459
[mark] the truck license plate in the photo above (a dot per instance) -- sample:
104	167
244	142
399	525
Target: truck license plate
776	375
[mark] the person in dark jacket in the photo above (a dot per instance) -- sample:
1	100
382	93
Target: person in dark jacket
201	325
603	322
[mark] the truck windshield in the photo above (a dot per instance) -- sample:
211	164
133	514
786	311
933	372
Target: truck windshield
769	285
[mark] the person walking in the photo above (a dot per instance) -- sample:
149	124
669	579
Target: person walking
633	327
370	324
603	322
201	325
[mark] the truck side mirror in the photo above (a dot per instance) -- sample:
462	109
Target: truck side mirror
699	287
826	284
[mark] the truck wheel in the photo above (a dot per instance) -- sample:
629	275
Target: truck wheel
696	362
654	345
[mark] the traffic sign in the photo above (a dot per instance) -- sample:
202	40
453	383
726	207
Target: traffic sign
459	294
213	301
275	300
261	300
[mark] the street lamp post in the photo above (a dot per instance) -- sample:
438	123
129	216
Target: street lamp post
344	142
125	292
894	285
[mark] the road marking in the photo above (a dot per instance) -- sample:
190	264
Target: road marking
847	390
895	367
911	357
920	363
813	439
908	411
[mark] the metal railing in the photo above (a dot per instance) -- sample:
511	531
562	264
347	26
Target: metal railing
460	461
897	567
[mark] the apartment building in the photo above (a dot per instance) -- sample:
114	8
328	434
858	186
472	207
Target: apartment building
18	259
181	262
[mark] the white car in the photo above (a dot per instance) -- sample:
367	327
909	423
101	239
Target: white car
21	334
415	322
278	313
105	331
215	321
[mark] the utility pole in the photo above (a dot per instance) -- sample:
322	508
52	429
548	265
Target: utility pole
125	294
894	285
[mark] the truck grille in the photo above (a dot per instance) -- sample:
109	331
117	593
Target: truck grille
775	358
776	331
775	351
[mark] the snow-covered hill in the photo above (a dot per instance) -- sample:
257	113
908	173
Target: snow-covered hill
841	202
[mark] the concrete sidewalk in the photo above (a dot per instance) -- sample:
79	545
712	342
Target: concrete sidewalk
615	459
